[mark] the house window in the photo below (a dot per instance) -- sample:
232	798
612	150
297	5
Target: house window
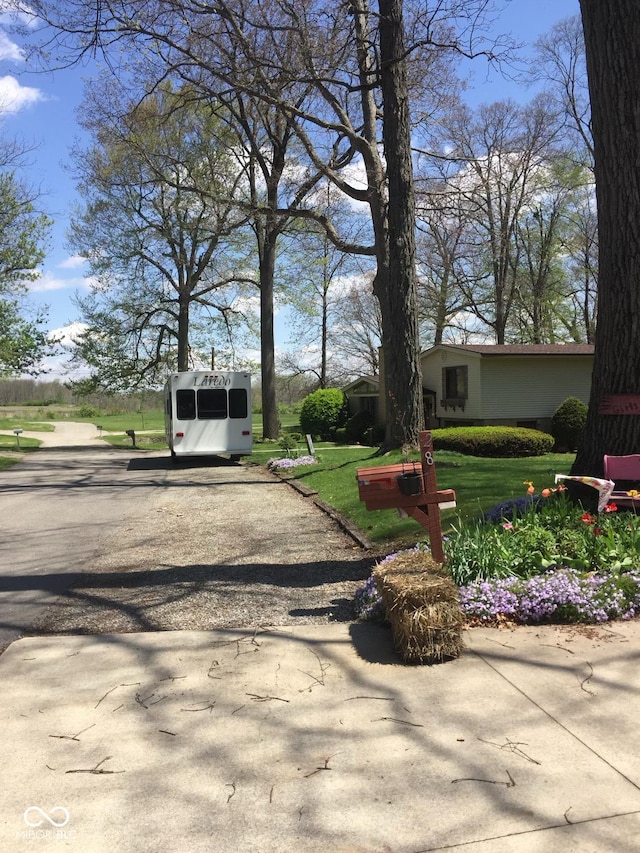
455	386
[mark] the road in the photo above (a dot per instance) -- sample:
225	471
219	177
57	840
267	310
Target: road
107	540
56	506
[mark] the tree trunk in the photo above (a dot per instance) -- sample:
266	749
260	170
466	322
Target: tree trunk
184	304
612	40
401	349
270	420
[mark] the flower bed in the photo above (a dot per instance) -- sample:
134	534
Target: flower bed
284	464
540	559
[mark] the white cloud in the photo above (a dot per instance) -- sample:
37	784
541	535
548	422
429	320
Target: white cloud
9	50
13	12
14	97
68	334
47	282
73	262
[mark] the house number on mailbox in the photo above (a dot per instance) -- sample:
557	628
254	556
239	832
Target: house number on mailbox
428	448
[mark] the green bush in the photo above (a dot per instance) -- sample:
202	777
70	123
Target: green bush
567	424
357	427
493	441
287	443
322	413
87	411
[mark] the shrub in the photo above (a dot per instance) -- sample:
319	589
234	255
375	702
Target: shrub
567	424
287	443
87	411
322	413
340	436
493	441
357	427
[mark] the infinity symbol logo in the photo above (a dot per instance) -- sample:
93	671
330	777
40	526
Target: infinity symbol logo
29	814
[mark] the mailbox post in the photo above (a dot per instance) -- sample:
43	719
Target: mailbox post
17	433
384	488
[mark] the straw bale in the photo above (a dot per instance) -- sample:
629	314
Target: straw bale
423	608
428	634
412	562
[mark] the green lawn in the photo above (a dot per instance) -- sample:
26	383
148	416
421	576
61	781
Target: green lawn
10	442
155	441
22	423
478	483
153	420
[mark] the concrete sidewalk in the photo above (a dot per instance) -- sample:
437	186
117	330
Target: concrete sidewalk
315	738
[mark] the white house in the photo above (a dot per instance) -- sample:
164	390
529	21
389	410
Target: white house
482	384
509	384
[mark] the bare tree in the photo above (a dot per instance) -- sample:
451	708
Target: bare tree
561	65
442	225
493	174
356	333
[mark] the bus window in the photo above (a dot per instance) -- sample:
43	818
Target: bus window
212	403
185	404
238	403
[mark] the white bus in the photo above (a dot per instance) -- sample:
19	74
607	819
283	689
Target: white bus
207	412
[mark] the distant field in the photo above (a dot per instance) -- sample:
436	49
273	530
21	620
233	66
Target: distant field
37	413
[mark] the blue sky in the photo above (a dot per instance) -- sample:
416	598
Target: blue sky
41	109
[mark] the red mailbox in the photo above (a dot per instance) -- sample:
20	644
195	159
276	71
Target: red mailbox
411	487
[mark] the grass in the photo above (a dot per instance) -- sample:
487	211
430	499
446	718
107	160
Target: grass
155	441
22	423
9	442
153	420
478	483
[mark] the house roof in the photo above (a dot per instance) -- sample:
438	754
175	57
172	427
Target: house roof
518	349
372	380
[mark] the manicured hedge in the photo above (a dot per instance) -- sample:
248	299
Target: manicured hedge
493	441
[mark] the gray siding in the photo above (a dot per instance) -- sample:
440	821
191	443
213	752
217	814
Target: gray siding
532	387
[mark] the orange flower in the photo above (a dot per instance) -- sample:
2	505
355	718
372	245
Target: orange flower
545	493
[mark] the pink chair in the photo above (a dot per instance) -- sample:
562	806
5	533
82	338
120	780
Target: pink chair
625	472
